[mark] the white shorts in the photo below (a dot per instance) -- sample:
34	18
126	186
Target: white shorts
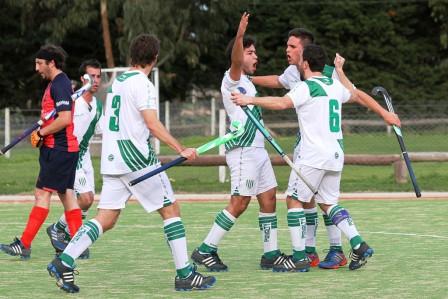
251	171
85	179
153	193
327	182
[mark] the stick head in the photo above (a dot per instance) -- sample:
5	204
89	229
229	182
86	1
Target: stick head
88	79
381	90
238	128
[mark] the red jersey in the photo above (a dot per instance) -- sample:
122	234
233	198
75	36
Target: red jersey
57	96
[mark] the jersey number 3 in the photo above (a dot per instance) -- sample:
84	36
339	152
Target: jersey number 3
335	117
114	121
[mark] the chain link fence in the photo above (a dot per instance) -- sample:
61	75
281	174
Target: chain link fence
200	117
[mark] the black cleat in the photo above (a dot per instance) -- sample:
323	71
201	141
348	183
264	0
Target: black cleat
267	264
289	265
65	276
196	281
57	238
16	248
359	256
210	260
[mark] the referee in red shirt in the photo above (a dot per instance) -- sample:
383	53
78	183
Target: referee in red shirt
58	152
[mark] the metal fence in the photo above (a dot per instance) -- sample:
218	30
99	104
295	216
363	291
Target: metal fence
200	117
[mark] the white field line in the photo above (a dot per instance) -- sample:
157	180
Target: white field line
190	227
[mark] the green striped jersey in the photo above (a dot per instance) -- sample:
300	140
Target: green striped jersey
126	138
87	121
318	103
251	136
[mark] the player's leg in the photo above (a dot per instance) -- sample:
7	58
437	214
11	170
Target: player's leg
47	183
298	194
113	198
267	216
22	247
207	253
328	201
156	193
267	220
335	257
187	278
310	211
62	267
84	186
242	177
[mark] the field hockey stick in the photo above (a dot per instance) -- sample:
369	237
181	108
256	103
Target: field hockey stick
381	90
49	115
238	131
277	147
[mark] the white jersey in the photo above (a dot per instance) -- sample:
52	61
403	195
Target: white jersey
291	76
318	102
126	138
251	136
87	119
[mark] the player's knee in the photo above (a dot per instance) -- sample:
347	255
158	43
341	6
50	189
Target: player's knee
85	200
238	208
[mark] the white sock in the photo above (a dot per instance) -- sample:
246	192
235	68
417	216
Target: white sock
268	227
175	235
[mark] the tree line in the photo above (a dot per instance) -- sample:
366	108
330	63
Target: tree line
401	45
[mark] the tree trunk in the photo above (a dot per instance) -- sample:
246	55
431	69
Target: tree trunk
106	35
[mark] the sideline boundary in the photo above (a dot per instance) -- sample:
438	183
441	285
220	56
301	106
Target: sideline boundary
191	197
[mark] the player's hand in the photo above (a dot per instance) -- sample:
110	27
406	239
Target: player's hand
338	61
189	153
392	119
243	24
36	139
240	99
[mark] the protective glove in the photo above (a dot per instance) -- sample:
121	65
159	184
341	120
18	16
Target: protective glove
36	139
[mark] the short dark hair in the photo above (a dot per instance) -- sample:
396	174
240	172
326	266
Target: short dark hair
305	36
144	49
316	57
247	42
88	63
52	52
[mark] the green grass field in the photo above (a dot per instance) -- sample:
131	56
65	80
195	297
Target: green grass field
19	173
133	261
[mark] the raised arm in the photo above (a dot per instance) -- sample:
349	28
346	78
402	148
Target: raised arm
270	81
338	66
238	49
363	98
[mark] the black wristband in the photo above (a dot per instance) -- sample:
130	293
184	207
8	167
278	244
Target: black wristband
40	135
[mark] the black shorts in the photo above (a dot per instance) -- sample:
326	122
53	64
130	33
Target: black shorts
57	170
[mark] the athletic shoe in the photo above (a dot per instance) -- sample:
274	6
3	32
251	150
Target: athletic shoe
210	260
313	258
57	238
359	256
267	264
196	281
333	260
65	276
16	248
289	265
